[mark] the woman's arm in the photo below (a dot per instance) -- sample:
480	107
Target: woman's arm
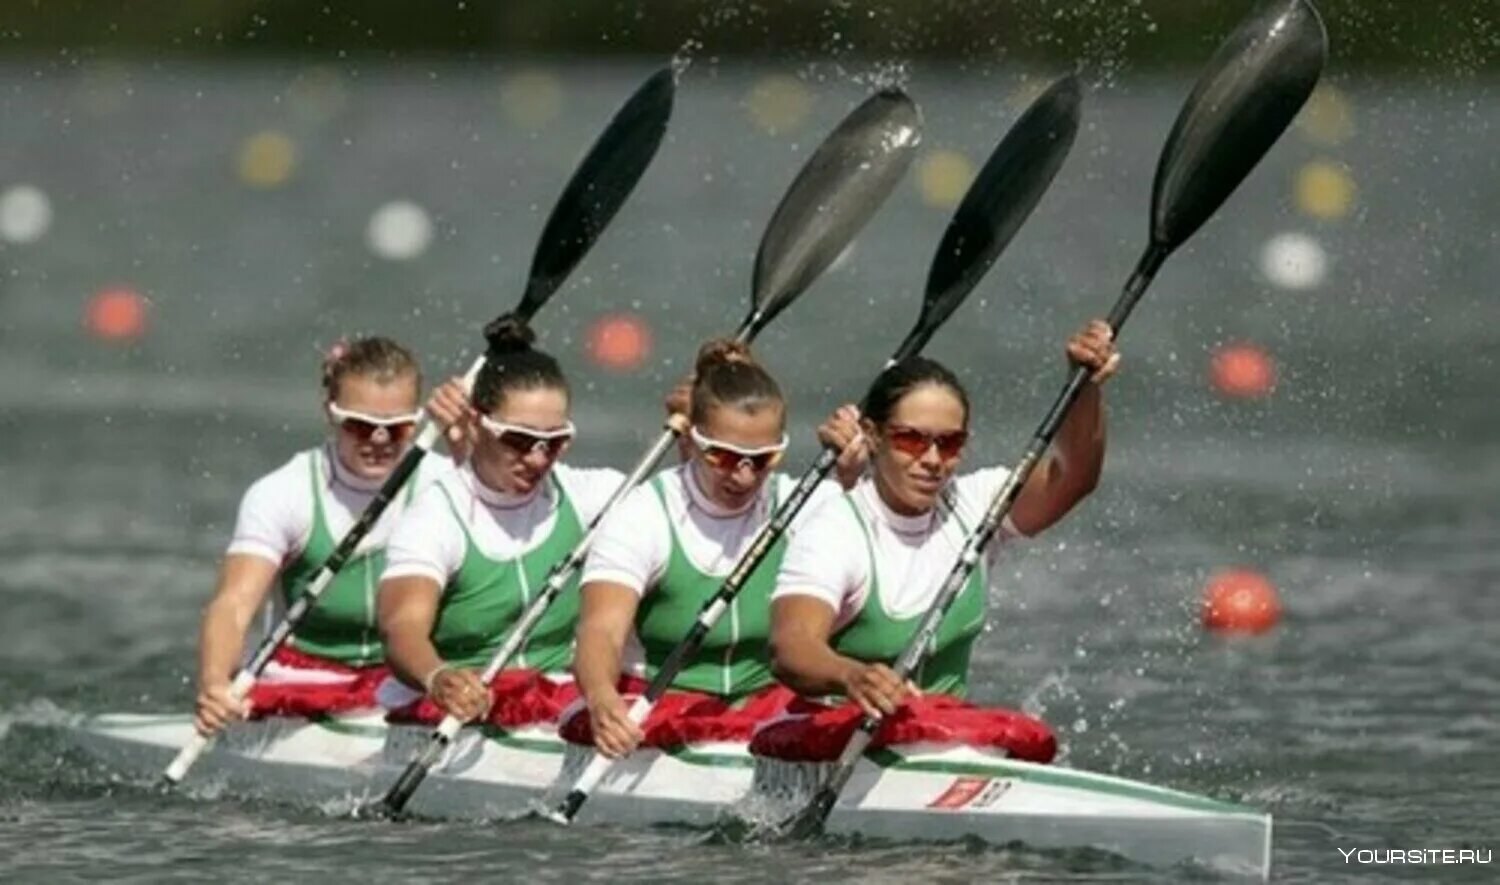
802	658
244	581
605	620
1070	470
408	608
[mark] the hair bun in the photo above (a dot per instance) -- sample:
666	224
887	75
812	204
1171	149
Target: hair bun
722	352
509	334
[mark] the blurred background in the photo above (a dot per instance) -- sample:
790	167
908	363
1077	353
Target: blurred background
196	199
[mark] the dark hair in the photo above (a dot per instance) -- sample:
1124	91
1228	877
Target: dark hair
892	385
375	357
513	364
727	375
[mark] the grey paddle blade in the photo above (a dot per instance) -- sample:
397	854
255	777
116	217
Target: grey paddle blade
840	188
599	187
999	201
1253	87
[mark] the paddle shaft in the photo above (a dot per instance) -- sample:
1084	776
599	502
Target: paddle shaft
915	651
244	678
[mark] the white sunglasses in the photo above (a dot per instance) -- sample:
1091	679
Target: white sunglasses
729	457
528	439
375	428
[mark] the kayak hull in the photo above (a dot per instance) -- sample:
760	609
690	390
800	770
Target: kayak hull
916	793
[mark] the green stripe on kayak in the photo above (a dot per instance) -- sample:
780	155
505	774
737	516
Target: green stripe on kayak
1058	777
717	760
506	739
345	726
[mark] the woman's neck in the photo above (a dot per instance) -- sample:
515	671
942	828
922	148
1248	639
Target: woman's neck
493	490
892	502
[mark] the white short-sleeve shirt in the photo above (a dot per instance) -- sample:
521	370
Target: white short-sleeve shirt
430	540
829	558
635	541
276	514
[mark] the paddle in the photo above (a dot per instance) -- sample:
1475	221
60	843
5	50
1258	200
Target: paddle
836	193
1000	199
592	197
1252	89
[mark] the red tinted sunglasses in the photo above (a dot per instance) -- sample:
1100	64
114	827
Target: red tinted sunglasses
379	429
914	442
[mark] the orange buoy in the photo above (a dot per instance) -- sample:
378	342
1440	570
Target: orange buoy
619	342
1240	601
1243	371
116	314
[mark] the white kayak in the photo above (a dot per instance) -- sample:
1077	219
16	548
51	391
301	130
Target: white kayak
920	792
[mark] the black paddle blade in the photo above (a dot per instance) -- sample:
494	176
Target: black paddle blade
1253	87
999	201
843	183
599	187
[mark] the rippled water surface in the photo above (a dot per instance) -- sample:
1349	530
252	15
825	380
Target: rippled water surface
1365	487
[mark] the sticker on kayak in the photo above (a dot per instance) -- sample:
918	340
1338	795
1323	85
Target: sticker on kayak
976	792
960	793
991	794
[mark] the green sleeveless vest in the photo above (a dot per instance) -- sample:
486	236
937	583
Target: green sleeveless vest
734	659
875	635
341	627
487	597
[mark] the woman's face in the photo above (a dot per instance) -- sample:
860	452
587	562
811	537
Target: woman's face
918	448
373	420
523	437
729	478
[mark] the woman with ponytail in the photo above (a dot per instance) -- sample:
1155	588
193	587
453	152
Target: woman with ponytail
290	521
663	552
858	578
477	545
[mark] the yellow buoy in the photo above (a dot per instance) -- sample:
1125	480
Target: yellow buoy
531	99
1325	190
779	104
266	159
943	176
1328	117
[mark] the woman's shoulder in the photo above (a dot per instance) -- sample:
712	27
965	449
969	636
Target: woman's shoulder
589	477
293	474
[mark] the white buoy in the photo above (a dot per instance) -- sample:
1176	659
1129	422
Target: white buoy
1294	261
400	230
25	214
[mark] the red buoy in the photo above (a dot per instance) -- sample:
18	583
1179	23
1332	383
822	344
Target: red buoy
116	314
1243	371
620	342
1240	601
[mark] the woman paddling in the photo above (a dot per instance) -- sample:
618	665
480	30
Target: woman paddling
477	545
290	521
861	573
663	553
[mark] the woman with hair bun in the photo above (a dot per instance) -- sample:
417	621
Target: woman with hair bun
662	554
858	578
290	521
476	546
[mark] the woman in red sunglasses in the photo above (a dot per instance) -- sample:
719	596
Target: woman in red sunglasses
861	573
663	553
290	521
476	547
